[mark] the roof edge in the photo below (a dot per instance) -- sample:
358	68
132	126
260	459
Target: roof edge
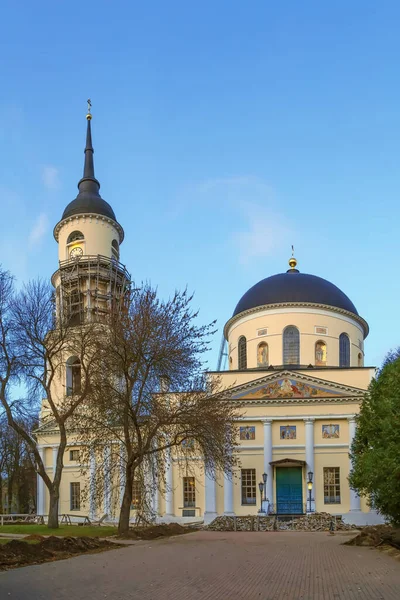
117	226
335	309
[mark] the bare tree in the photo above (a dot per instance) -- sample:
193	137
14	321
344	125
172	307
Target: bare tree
17	473
34	349
155	344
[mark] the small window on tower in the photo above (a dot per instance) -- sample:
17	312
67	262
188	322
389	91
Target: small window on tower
115	249
75	236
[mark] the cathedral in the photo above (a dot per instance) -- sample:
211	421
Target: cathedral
295	362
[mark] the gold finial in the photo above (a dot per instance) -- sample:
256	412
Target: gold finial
292	260
89	107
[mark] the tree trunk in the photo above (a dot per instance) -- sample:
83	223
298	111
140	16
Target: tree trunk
1	493
123	523
53	509
10	484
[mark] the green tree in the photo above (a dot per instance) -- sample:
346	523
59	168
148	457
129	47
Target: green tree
375	451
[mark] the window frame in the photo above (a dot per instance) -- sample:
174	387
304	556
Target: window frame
286	350
75	495
71	455
242	353
136	494
344	350
332	491
189	491
248	487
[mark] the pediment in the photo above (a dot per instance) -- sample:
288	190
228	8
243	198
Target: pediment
292	386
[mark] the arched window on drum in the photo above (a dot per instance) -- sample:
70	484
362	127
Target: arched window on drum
75	236
320	354
344	350
242	353
262	355
291	346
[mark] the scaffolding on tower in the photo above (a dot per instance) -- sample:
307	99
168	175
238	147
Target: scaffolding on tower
93	287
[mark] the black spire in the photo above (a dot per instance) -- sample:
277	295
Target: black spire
88	199
89	183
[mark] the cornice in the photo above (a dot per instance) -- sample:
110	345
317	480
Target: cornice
265	307
276	375
99	218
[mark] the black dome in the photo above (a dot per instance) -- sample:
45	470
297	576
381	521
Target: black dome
294	287
89	203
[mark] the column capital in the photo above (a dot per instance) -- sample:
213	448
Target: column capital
309	420
352	419
266	422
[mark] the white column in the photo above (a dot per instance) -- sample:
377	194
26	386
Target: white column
55	452
309	425
267	460
107	480
92	484
40	488
228	494
169	493
355	500
210	498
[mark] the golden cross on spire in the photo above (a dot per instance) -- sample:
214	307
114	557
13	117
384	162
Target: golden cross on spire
89	106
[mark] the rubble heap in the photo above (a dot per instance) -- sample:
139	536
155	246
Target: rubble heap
314	522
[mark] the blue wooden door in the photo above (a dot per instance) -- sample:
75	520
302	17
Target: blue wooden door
289	491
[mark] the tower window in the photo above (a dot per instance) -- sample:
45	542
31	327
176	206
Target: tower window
320	354
360	359
344	350
242	353
291	346
115	249
74	376
75	236
262	355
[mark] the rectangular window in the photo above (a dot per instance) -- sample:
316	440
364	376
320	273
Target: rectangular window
136	494
332	485
75	495
189	492
248	486
74	455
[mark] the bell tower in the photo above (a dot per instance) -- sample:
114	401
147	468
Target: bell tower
90	281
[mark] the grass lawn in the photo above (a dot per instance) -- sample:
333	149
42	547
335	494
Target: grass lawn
6	540
63	530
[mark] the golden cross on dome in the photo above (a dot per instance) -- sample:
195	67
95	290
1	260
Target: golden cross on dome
292	250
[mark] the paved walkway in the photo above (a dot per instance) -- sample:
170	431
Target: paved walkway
218	566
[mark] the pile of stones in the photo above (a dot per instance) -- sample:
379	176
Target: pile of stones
313	522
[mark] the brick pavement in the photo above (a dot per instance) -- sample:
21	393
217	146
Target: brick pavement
216	565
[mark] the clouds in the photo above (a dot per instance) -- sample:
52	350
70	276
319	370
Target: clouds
248	215
38	230
263	232
51	177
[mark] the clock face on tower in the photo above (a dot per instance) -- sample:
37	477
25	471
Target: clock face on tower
76	252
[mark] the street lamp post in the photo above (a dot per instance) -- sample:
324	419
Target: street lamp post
261	488
310	486
265	477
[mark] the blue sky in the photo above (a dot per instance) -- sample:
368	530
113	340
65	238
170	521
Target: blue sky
224	132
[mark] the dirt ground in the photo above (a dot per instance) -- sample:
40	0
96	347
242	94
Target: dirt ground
156	531
18	553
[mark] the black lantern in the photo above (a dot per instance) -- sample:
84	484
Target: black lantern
265	477
261	488
310	485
